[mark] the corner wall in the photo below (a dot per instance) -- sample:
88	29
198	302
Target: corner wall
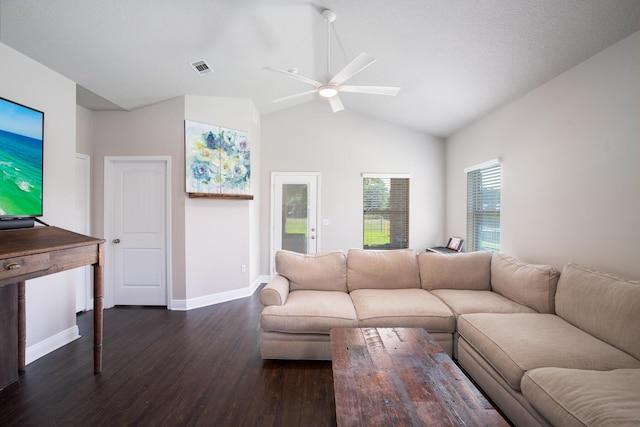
84	130
570	151
50	304
210	239
222	235
156	130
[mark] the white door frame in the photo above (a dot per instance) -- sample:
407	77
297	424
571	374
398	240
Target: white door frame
272	225
109	162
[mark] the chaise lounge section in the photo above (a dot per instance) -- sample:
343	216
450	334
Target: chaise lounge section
528	335
525	362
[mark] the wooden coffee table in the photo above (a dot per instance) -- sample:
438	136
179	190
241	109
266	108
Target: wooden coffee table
402	377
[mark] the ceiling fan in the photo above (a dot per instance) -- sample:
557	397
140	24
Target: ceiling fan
334	84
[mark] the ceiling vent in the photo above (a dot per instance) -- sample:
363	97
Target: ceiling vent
201	67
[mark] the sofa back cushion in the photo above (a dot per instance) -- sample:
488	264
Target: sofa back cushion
467	271
533	285
393	269
323	271
601	304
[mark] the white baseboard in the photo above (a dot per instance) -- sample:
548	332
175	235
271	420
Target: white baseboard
44	347
204	301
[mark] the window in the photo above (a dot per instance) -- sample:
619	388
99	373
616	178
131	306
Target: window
483	206
386	211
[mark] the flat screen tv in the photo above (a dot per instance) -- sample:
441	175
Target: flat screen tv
21	164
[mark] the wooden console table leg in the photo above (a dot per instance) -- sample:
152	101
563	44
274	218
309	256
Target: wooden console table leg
22	327
97	316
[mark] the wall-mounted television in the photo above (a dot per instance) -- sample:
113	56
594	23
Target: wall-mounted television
21	164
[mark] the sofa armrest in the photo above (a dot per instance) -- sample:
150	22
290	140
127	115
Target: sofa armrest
275	292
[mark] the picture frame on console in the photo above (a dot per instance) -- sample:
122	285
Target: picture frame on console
455	243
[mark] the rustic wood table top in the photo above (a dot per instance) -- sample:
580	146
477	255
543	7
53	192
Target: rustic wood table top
402	377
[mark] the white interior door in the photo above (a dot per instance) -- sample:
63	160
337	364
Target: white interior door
83	276
138	234
295	206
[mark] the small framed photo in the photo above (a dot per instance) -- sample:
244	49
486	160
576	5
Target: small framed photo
455	243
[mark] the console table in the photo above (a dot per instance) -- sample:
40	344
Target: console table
34	252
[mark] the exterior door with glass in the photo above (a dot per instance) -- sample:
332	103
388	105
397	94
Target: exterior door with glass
294	213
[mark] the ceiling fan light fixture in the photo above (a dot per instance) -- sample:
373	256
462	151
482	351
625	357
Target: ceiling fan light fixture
327	91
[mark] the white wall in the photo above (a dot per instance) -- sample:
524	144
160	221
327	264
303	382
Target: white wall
50	300
571	185
342	146
84	130
221	235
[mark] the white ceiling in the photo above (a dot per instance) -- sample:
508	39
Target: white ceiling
455	60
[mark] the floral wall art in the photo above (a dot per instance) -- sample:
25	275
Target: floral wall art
217	159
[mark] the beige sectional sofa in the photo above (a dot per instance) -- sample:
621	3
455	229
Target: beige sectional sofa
547	348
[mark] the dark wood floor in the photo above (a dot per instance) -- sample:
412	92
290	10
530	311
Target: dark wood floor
200	367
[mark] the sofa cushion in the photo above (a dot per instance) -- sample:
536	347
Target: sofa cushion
464	302
515	343
310	312
573	397
605	306
529	284
456	271
393	269
323	271
409	308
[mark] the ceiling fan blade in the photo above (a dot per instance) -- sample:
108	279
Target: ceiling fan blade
285	98
294	76
358	64
373	90
336	104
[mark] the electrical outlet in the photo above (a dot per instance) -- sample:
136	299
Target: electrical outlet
243	268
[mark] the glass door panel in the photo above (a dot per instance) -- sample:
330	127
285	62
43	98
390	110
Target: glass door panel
294	213
295	220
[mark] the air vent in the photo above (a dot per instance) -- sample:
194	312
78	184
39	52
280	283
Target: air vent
201	67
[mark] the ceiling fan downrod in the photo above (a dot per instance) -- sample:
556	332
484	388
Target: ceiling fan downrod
329	16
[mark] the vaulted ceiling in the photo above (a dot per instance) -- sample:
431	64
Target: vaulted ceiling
455	60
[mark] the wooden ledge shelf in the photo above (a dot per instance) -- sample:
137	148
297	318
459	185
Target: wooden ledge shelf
220	196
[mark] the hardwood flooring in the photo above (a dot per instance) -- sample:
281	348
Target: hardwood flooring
160	367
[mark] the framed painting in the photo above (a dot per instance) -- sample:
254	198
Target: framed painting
217	160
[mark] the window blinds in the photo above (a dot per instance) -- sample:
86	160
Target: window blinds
386	212
483	206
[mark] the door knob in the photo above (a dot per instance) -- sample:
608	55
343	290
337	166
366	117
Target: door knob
116	241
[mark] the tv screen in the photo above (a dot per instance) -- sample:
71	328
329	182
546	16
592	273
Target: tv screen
21	159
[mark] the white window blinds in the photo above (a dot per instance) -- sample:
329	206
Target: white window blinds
483	206
386	211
